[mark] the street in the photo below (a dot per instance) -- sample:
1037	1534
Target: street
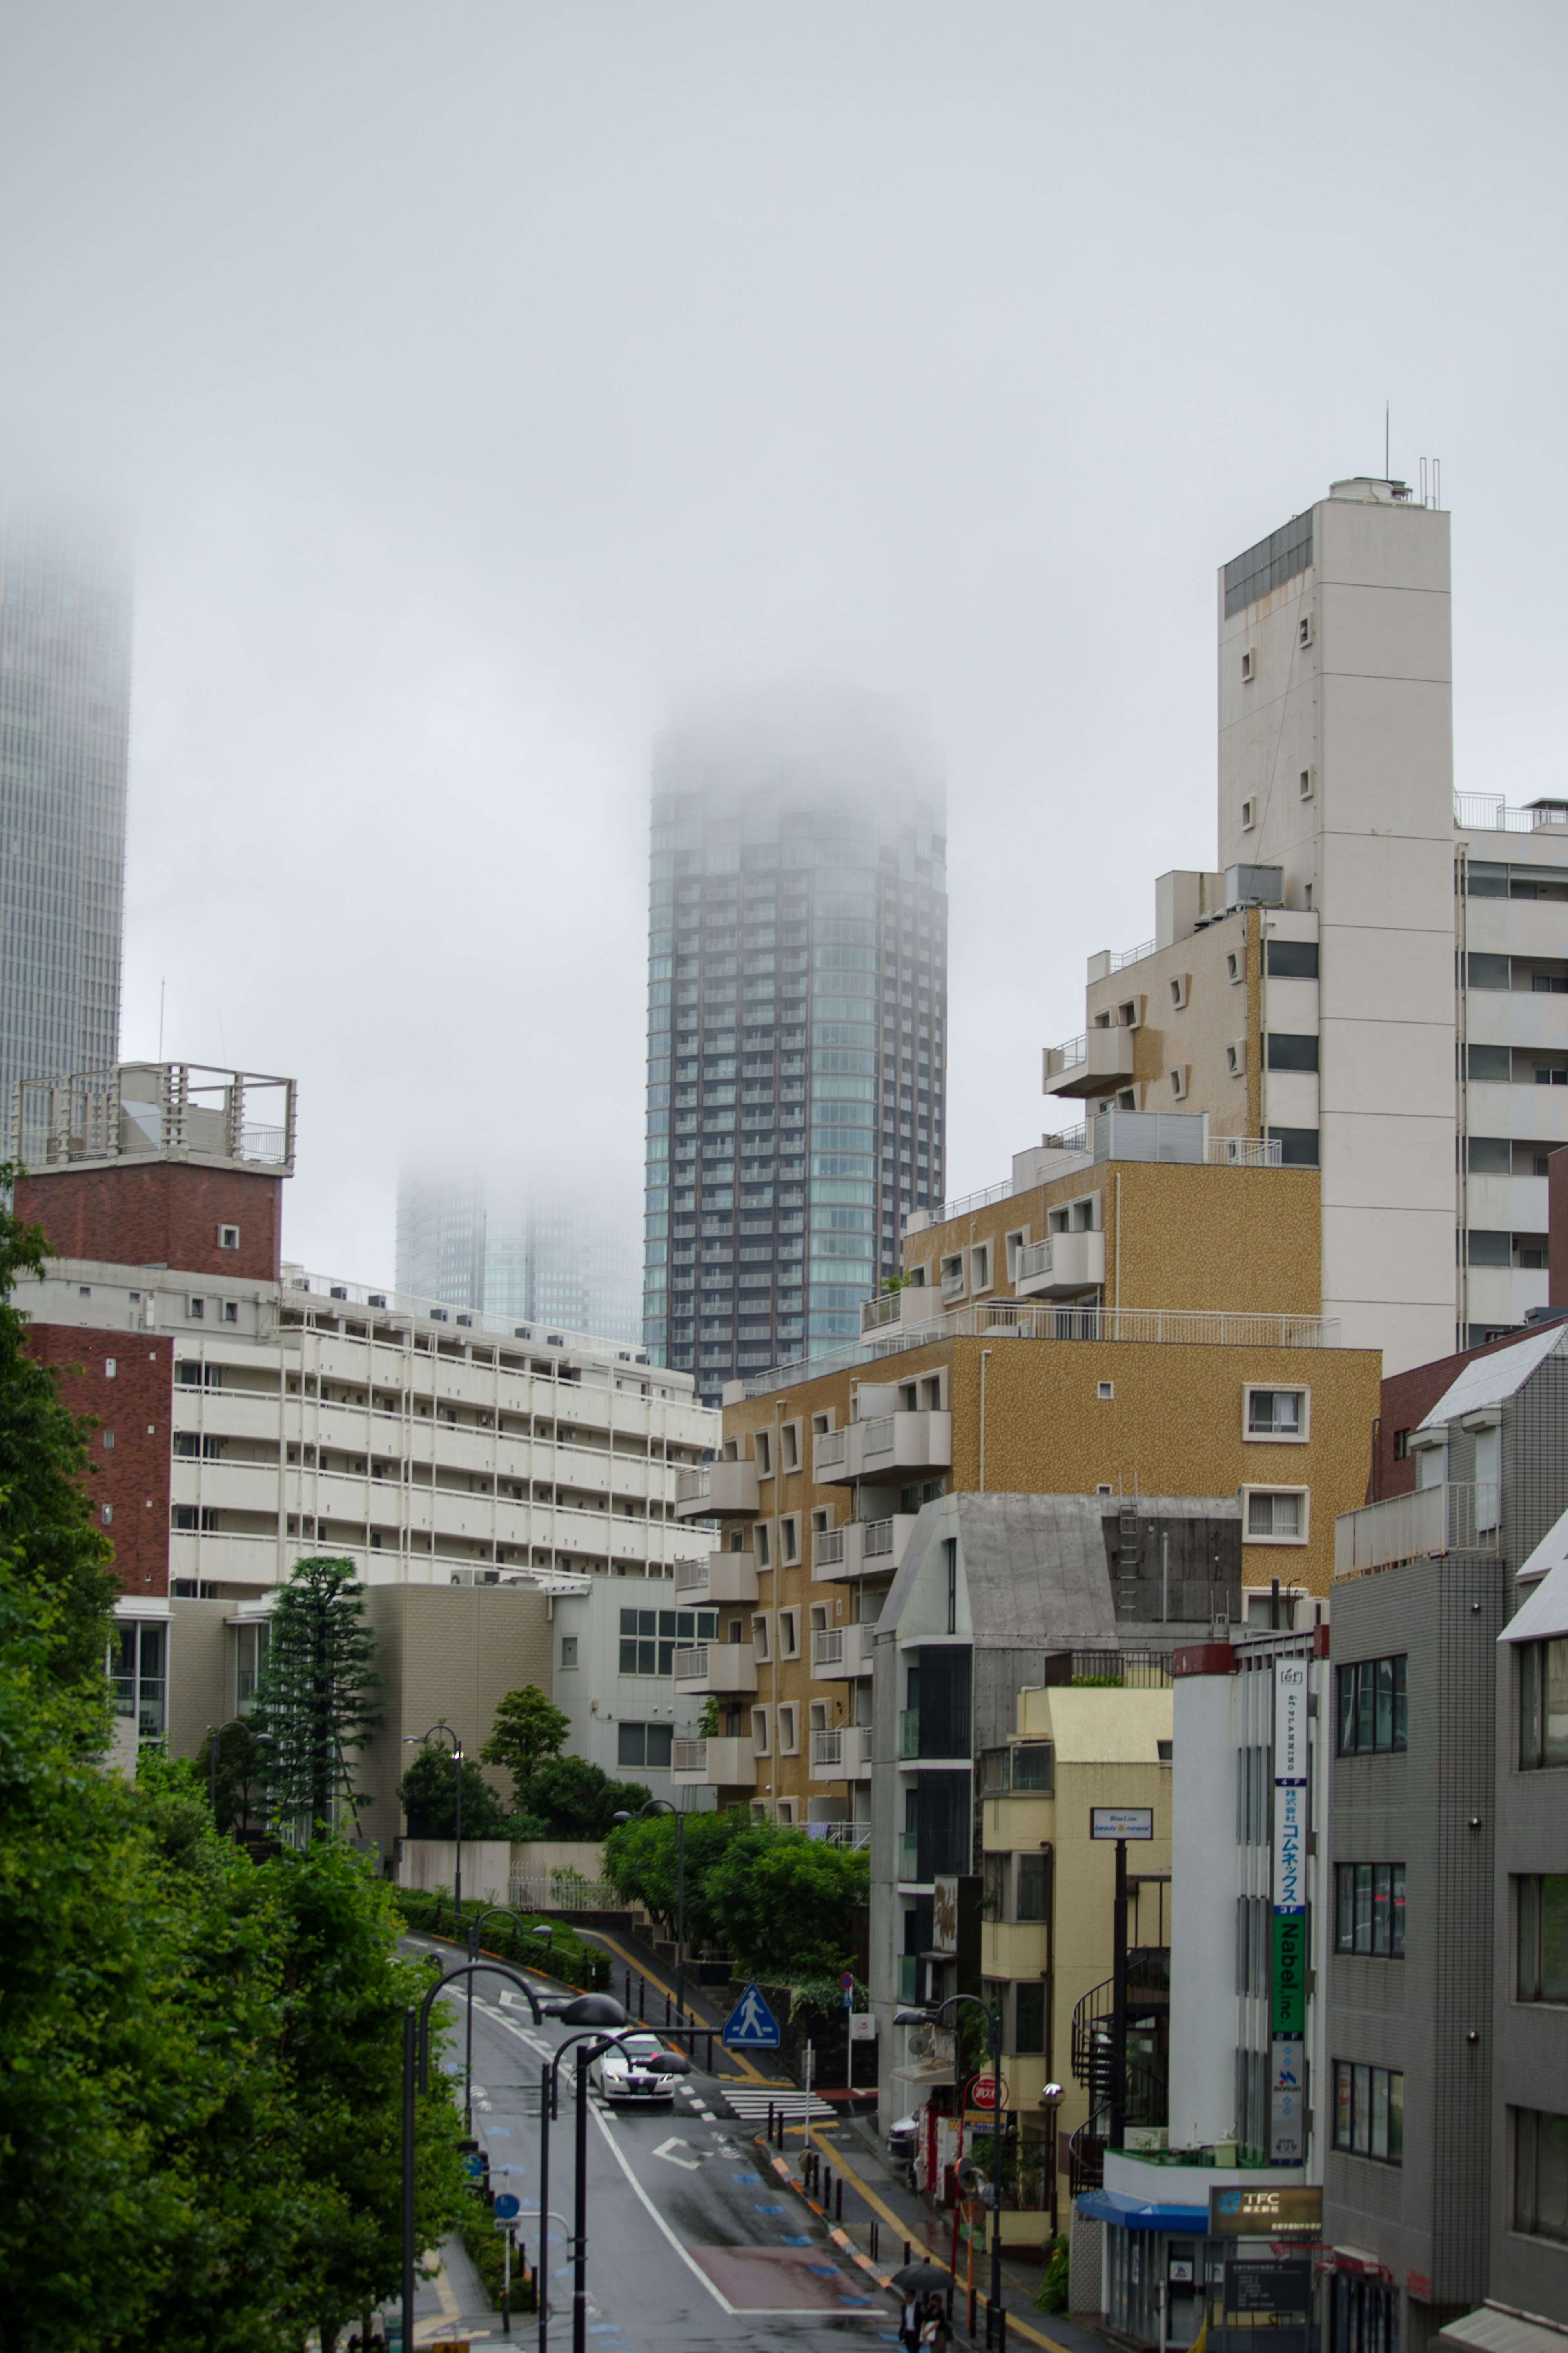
691	2240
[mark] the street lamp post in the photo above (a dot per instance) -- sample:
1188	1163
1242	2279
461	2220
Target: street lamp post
589	2046
993	2016
663	1806
495	1912
423	1740
589	2010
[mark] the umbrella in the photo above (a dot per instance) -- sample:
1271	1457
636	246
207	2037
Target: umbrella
919	2279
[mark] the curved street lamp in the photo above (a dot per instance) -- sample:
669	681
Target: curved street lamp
663	1806
423	1740
993	2015
676	2062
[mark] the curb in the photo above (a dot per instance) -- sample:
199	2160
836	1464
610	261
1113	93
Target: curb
839	2239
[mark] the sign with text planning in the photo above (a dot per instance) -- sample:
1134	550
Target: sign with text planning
1121	1821
1289	2211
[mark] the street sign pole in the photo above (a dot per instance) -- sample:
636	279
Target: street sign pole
1118	2002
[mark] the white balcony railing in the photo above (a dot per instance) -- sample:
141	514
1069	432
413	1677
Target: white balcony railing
691	1576
1456	1516
1490	813
848	1750
827	1548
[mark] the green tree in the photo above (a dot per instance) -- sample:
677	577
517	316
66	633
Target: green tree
47	1528
571	1799
527	1731
315	1699
428	1796
641	1862
240	1777
790	1904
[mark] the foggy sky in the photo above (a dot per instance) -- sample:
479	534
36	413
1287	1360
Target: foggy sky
481	375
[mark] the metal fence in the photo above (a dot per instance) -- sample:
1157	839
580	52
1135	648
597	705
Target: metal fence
563	1890
1459	1516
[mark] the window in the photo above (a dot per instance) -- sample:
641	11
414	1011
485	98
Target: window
137	1668
762	1538
1543	1704
196	1309
1402	1446
789	1633
1015	1242
1540	2173
649	1637
1308	783
107	1514
1290	1050
1236	1059
189	1521
1233	965
1293	959
760	1636
110	1367
789	1538
1275	1514
950	1549
1371	1697
1179	984
1543	1957
228	1237
231	1311
1249	807
980	1267
788	1741
764	1448
1297	1146
789	1445
1179	1083
1369	1909
1029	2019
1104	1391
1029	1884
760	1732
1369	2111
569	1650
644	1743
1026	1766
1278	1414
109	1438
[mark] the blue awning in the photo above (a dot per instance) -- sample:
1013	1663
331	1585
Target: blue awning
1138	2214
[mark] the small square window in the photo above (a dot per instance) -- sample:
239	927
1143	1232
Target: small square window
109	1438
231	1311
1179	1084
1274	1515
196	1309
1180	982
1309	783
110	1367
1305	629
108	1515
1105	1391
1233	966
1248	673
569	1650
1249	815
228	1237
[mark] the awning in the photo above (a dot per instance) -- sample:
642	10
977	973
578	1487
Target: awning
1497	2329
1139	2214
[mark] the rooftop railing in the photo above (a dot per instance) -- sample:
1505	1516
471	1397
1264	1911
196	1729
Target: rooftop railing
1121	957
1042	1320
1490	813
1459	1515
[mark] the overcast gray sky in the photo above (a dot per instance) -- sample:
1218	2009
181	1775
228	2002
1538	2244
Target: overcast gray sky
480	372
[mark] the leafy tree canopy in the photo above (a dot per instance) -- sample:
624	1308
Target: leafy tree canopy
528	1730
428	1796
571	1799
47	1530
781	1902
316	1697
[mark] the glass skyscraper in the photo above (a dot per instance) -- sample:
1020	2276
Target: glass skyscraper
65	724
568	1262
797	1011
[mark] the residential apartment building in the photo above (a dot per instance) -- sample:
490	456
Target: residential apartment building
65	721
797	1008
970	1383
1048	1938
1343	982
1442	2049
526	1252
252	1414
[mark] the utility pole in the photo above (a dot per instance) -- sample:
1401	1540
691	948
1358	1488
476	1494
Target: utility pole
1118	2002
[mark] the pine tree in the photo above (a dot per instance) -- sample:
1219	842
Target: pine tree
315	1700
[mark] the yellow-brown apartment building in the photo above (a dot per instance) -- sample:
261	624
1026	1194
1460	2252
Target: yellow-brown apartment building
1136	1315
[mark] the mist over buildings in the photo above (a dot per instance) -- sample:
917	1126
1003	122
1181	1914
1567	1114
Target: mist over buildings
476	380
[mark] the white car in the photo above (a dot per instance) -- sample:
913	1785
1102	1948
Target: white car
638	2069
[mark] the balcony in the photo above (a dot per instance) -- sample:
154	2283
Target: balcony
885	1446
726	1669
894	1313
908	1855
1060	1265
842	1756
841	1652
909	1732
716	1488
718	1577
859	1548
1090	1065
1456	1516
718	1764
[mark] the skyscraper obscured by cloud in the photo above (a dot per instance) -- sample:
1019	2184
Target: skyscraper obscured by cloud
542	1255
797	1010
65	722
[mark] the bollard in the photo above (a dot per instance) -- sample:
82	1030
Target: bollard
874	2247
826	2187
769	2123
839	2213
972	2315
906	2250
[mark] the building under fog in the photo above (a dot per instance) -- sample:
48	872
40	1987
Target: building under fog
65	714
797	1000
541	1257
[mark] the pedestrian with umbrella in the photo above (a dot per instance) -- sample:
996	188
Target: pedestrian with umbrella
922	2288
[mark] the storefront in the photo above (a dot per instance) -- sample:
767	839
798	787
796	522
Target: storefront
1364	2305
1156	2255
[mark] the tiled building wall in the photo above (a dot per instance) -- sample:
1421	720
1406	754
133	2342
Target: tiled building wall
1217	1012
128	1480
162	1213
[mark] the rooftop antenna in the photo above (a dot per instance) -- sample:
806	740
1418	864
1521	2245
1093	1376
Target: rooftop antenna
162	985
1386	475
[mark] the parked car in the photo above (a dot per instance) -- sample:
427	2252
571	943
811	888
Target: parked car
640	2068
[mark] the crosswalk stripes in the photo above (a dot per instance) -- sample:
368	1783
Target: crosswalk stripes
750	2103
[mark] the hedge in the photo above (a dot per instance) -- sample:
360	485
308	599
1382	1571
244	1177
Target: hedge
565	1956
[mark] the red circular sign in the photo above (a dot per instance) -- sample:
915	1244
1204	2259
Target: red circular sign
983	2092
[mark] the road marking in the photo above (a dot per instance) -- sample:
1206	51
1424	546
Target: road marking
667	2149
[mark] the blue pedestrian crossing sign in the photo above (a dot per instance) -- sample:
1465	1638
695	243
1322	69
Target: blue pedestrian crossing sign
750	2025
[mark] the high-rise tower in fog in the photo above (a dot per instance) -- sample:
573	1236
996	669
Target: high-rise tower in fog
797	1005
65	716
543	1256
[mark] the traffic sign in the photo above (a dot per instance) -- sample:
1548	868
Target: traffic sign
983	2092
507	2207
847	1987
473	2165
750	2025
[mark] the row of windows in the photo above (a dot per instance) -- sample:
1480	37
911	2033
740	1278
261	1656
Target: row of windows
1371	1707
649	1637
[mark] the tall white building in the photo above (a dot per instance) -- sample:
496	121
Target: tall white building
533	1253
1339	991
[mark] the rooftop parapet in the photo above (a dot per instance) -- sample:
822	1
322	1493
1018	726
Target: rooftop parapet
148	1110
